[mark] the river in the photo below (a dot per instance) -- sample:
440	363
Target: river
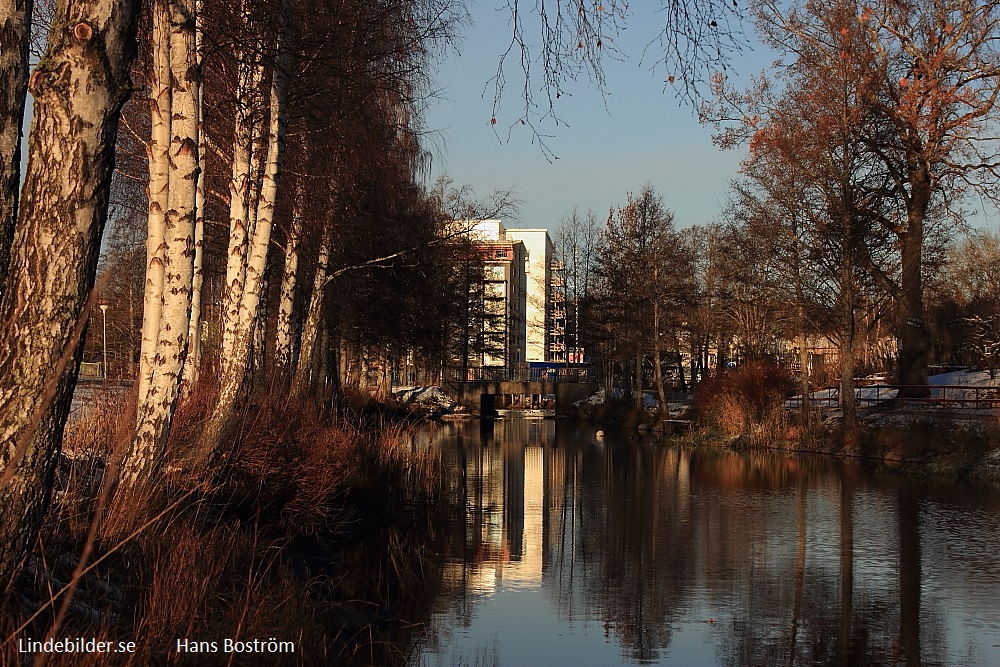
576	549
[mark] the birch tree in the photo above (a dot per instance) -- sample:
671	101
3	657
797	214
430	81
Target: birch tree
15	33
289	277
173	227
193	361
250	243
303	378
79	87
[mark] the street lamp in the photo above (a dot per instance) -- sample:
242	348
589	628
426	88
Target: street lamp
104	312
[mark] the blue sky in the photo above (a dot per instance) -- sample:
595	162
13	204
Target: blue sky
606	146
638	132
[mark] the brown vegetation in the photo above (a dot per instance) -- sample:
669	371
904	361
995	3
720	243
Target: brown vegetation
257	547
746	402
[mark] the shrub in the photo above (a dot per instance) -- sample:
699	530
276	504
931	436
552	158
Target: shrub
746	401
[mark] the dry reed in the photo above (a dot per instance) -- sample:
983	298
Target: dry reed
210	554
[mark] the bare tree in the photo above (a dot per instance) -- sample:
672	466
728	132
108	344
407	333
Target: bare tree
174	170
575	38
928	79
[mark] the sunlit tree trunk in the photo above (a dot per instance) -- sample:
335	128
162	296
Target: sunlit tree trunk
310	329
79	88
248	78
156	407
15	30
192	365
158	152
236	358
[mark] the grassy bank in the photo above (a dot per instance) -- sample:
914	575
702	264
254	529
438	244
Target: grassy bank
305	534
745	409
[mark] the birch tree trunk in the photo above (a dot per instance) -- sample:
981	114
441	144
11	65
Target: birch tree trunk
283	337
240	189
79	88
236	358
158	152
156	407
15	30
192	365
310	330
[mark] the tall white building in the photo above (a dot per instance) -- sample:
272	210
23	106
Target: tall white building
524	295
538	299
504	285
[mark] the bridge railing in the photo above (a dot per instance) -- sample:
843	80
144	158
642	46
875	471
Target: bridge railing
496	374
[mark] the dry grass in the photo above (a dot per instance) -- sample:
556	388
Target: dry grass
226	552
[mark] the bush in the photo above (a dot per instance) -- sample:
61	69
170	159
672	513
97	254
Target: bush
746	401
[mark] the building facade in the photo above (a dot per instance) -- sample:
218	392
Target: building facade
500	341
539	299
524	298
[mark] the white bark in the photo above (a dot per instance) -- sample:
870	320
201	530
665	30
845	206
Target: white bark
156	407
248	79
193	363
158	152
243	314
283	338
234	363
77	103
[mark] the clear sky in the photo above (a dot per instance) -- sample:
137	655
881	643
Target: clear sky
606	147
638	132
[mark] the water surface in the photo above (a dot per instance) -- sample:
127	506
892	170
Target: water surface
574	550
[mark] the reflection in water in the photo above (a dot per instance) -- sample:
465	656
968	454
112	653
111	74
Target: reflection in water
573	551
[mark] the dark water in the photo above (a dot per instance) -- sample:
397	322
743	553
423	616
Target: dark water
578	551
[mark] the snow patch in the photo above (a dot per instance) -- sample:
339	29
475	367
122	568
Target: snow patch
430	397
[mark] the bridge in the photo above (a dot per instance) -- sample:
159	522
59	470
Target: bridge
478	388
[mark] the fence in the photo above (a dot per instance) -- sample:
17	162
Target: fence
487	374
958	396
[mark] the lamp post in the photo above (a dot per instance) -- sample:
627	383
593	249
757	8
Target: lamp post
104	358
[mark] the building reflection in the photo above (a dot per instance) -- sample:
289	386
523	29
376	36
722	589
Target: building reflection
793	559
505	482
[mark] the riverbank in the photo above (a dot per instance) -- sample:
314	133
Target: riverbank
264	547
919	441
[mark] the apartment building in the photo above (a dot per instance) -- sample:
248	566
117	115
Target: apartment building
501	340
524	295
